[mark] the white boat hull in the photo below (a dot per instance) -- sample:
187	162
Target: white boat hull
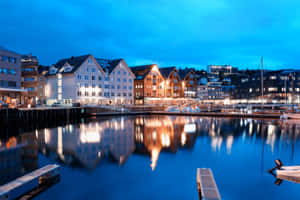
289	173
291	116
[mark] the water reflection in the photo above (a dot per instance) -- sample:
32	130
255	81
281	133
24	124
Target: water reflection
86	144
18	156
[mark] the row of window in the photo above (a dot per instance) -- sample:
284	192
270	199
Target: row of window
95	69
93	78
8	83
86	85
7	71
274	89
100	94
8	59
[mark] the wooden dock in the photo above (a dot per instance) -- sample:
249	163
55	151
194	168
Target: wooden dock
206	185
30	184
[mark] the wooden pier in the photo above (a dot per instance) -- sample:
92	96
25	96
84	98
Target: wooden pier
206	185
30	184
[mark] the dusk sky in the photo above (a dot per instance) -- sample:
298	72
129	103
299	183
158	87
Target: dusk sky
181	33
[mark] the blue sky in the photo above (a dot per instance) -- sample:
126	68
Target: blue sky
182	33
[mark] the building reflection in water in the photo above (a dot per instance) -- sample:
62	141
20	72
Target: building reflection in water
86	144
18	155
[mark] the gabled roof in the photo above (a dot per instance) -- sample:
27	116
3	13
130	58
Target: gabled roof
108	65
183	72
75	62
165	71
141	71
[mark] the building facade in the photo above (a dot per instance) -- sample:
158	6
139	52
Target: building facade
10	78
189	82
172	84
148	84
87	80
30	77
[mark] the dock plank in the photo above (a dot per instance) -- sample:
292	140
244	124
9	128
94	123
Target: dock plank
207	186
26	183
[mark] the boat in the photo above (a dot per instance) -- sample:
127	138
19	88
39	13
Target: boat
289	173
290	116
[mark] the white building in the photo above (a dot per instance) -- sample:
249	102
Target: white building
87	80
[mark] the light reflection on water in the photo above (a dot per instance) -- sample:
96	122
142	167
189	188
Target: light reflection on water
115	140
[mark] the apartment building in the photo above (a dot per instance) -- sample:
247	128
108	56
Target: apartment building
89	80
10	78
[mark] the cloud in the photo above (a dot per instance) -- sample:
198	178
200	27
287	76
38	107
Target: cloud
182	33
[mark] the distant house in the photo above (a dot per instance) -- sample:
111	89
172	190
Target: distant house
189	82
88	80
148	84
173	85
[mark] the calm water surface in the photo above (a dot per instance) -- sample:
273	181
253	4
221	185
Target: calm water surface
156	157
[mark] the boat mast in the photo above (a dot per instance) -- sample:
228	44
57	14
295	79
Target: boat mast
262	83
293	91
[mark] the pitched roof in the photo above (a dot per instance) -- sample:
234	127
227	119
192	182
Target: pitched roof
141	71
108	65
183	72
75	62
165	72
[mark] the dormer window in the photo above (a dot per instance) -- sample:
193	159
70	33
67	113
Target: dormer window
53	70
68	69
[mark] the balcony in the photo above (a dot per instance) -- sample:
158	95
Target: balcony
29	73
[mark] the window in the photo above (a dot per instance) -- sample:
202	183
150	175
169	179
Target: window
130	94
118	87
273	77
5	58
12	60
124	87
5	71
119	80
93	78
124	80
12	71
130	80
106	86
113	87
124	72
99	78
119	94
106	94
29	69
119	72
78	93
30	89
87	69
86	94
93	69
79	77
28	79
100	86
112	94
130	87
93	85
90	60
93	93
124	94
86	77
86	85
106	79
12	84
100	94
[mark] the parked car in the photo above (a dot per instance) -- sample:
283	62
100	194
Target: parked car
56	104
76	105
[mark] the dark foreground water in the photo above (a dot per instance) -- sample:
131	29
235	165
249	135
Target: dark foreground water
156	157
